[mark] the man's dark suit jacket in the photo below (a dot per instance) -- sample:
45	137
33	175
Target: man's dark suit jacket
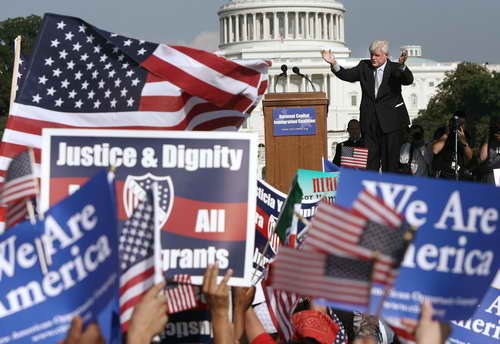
389	107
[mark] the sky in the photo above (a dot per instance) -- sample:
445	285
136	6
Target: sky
448	30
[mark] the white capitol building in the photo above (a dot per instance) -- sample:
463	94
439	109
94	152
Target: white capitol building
293	32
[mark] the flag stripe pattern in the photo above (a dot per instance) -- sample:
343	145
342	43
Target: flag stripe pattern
315	274
82	77
337	230
181	297
136	252
355	157
16	213
374	208
20	181
281	305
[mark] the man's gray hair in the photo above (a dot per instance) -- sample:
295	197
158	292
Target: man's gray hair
383	46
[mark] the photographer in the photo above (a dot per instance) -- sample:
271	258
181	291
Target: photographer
489	155
416	156
452	152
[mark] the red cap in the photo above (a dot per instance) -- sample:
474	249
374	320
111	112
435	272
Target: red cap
316	325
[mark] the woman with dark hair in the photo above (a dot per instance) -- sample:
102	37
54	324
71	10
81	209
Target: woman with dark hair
489	155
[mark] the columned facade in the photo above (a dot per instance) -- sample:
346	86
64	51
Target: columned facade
279	20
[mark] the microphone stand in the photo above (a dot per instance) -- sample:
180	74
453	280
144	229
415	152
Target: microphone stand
296	70
455	153
284	68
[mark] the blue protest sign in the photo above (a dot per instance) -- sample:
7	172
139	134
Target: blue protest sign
294	121
454	257
80	235
484	326
206	182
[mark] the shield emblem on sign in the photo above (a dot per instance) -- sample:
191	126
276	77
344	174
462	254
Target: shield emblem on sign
273	238
134	190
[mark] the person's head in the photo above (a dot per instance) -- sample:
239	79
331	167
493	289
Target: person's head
354	129
366	330
416	134
311	326
379	53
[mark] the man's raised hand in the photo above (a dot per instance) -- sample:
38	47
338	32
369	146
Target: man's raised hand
328	56
403	57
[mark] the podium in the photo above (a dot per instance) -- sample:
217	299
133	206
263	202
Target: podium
289	148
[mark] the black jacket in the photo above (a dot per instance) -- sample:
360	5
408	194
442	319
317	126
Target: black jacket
388	107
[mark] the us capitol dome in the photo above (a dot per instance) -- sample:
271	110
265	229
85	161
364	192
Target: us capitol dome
293	32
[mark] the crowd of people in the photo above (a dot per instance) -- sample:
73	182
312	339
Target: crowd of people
448	155
312	324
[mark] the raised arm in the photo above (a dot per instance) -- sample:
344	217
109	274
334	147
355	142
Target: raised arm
350	74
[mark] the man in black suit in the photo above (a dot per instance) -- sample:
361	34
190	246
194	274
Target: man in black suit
383	114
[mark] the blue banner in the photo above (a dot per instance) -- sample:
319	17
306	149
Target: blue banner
484	326
455	254
80	235
294	121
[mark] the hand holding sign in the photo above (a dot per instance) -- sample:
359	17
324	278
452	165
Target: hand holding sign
76	334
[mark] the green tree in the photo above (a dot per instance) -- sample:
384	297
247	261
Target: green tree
27	28
471	88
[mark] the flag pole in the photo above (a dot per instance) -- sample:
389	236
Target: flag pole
158	268
15	71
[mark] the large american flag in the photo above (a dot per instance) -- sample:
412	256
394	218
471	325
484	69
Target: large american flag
355	157
80	76
309	273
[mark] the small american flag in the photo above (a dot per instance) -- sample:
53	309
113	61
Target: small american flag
80	76
20	180
181	296
355	157
337	230
374	209
136	258
281	305
20	185
308	273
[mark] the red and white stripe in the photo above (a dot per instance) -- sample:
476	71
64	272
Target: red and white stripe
16	213
134	283
182	297
337	230
303	272
358	158
374	209
281	305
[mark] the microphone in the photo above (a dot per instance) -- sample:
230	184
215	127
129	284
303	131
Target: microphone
284	69
296	70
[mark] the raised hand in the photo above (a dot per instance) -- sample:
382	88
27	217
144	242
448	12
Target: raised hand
328	56
149	317
403	57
